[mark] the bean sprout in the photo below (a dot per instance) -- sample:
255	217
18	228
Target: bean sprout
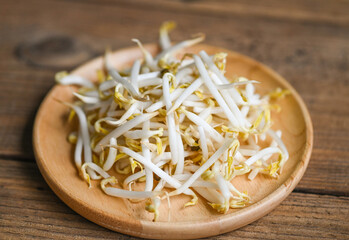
174	124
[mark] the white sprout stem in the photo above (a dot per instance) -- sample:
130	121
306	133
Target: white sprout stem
179	46
95	168
107	85
260	154
222	183
235	95
247	152
121	193
103	110
180	119
149	82
233	189
111	155
157	105
279	142
232	105
187	103
272	144
164	39
91	107
117	192
126	115
262	136
149	75
205	113
195	132
170	119
92	93
186	63
76	80
85	136
206	194
210	194
133	177
170	180
166	90
239	157
134	73
254	172
138	134
78	151
147	156
123	128
234	84
130	88
197	183
86	99
191	168
182	73
180	148
113	106
213	110
186	79
203	143
187	92
194	98
147	56
161	183
118	79
252	142
153	125
249	90
199	121
244	111
204	167
212	88
168	155
200	183
182	176
155	92
116	113
140	174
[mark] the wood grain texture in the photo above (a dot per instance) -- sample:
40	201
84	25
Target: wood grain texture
306	41
29	209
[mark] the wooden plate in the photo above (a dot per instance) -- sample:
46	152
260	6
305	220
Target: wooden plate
55	160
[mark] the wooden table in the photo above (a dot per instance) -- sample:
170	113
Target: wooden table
305	41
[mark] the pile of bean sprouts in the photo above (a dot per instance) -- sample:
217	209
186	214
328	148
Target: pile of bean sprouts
179	125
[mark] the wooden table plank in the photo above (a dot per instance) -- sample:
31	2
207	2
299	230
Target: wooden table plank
29	209
297	10
312	55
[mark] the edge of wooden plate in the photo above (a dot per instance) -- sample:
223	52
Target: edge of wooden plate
195	229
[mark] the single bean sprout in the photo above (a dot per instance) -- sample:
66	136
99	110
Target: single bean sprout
178	125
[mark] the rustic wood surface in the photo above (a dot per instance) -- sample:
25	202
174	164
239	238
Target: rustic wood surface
305	41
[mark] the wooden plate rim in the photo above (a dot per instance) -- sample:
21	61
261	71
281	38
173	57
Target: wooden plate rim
217	225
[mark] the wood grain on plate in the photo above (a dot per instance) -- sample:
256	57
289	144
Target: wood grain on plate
55	160
304	40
